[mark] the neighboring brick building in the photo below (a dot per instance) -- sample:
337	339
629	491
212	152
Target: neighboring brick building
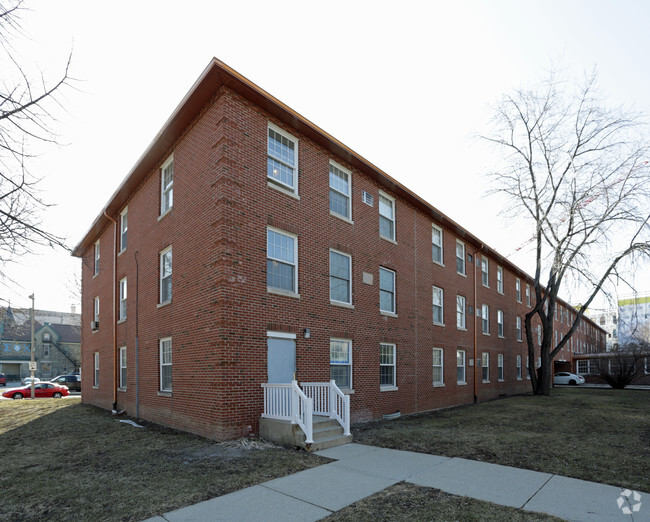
287	247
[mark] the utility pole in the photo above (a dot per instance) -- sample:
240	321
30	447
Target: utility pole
32	364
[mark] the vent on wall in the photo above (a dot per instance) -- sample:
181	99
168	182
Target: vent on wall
368	199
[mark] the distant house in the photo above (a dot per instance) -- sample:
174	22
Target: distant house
294	258
57	345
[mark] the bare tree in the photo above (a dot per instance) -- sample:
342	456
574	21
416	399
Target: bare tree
27	102
578	172
625	364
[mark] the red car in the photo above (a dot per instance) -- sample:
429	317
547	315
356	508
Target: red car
41	390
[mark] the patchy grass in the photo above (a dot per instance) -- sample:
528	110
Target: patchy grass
599	435
69	461
406	502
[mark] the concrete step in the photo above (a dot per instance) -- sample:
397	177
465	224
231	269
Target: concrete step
318	445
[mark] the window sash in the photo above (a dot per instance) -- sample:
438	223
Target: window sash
166	364
281	262
485	319
123	286
340	277
518	367
166	275
123	367
436	242
386	217
387	365
500	367
500	323
499	279
460	258
167	187
386	290
518	290
97	253
460	366
438	303
519	337
460	312
96	369
341	362
438	367
484	272
124	227
485	367
339	192
96	309
282	158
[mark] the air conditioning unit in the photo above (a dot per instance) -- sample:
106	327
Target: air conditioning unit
94	325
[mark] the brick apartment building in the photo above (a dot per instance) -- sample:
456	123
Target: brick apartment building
292	255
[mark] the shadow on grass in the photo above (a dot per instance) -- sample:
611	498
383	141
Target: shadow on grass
67	460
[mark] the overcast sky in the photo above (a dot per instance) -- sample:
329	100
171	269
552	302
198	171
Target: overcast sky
406	85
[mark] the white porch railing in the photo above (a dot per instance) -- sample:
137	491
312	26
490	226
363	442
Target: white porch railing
288	402
329	400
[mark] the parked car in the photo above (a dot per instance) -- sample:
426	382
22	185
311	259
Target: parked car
41	390
28	380
568	378
3	379
73	382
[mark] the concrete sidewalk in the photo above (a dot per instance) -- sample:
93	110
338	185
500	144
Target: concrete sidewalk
361	471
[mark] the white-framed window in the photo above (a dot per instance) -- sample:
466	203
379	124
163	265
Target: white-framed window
460	257
122	312
387	374
527	367
167	186
500	328
518	367
96	258
485	276
341	363
96	369
500	279
436	244
166	275
96	309
539	334
528	296
460	313
438	367
281	260
340	191
485	319
340	277
123	367
282	160
124	228
518	289
386	216
386	290
500	367
438	303
485	366
460	367
519	333
166	364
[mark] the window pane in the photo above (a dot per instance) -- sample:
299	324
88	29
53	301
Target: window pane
341	375
282	160
339	352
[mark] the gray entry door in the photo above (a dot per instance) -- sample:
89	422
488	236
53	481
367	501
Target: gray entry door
281	360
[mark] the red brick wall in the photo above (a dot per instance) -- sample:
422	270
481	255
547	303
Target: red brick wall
221	311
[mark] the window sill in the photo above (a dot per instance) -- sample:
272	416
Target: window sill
438	384
121	321
347	391
285	293
485	286
164	393
95	387
461	383
285	191
342	218
485	382
121	252
438	324
439	263
162	305
387	314
342	304
461	274
519	378
461	329
501	337
390	240
486	333
121	389
501	380
167	212
387	388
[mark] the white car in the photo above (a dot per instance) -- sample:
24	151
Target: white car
28	380
568	378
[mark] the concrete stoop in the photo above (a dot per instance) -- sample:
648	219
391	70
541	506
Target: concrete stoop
328	433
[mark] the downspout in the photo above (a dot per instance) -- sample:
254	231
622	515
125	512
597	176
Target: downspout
137	377
114	322
475	328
